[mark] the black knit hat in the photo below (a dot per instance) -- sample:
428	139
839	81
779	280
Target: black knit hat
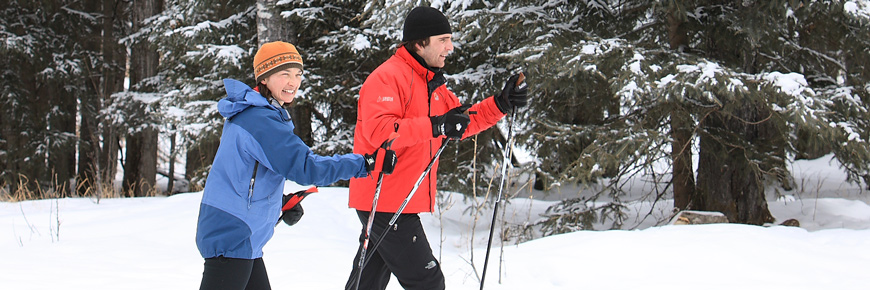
423	22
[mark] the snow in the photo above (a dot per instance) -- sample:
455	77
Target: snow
707	71
858	8
148	243
793	84
360	43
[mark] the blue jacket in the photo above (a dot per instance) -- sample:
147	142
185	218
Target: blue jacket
233	222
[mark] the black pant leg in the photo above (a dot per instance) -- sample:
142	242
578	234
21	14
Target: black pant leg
405	253
222	273
259	278
410	257
376	275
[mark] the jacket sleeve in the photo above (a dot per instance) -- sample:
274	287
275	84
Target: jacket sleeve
487	115
280	150
381	110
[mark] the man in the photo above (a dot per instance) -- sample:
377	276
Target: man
407	94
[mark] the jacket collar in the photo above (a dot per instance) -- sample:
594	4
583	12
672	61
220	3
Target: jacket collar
433	76
417	64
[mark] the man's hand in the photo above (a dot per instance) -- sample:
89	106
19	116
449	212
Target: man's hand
452	124
514	95
382	160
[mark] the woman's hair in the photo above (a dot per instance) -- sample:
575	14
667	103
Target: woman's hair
264	91
411	45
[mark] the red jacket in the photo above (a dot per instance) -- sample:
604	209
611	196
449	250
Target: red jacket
397	93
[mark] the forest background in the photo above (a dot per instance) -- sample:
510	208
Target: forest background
707	100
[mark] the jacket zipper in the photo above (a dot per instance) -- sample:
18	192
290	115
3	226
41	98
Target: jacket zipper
251	188
429	177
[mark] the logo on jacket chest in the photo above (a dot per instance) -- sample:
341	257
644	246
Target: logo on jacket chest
384	99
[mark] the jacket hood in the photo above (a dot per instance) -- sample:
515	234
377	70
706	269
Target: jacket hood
239	97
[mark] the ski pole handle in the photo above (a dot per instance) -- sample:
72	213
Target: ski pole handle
389	142
521	81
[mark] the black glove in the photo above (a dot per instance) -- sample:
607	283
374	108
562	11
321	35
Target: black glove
382	160
291	206
293	215
452	124
512	96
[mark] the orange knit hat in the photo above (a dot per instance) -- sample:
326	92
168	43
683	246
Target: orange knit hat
275	56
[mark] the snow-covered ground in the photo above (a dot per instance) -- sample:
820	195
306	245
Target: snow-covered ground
148	243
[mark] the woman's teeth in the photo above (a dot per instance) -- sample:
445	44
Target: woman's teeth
289	91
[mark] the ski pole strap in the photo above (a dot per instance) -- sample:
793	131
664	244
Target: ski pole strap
389	142
297	197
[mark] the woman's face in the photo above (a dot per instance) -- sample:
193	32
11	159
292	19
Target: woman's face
284	84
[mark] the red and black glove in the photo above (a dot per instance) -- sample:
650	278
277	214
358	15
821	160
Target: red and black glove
291	211
382	160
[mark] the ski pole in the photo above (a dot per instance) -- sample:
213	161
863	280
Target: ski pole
498	200
386	145
377	243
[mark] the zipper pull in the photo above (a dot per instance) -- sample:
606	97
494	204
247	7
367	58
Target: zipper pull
251	188
251	193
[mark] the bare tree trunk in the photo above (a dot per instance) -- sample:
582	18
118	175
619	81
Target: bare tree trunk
140	171
171	174
89	109
681	122
683	173
88	144
198	156
114	57
62	154
142	145
271	26
728	181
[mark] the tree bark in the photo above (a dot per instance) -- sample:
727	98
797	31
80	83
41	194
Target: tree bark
683	174
114	58
301	116
62	154
683	178
141	168
728	180
140	171
271	26
198	157
171	176
26	119
88	145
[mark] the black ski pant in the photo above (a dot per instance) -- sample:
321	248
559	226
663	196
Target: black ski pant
234	274
404	253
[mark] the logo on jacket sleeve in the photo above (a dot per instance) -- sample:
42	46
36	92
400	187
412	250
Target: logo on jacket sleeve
384	99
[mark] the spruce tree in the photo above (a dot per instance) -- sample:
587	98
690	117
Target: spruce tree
744	75
200	43
48	63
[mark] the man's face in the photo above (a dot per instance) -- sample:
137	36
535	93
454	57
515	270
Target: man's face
436	52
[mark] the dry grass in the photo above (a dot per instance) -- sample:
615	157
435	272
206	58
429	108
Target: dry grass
58	190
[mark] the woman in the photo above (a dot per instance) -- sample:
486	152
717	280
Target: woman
243	192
